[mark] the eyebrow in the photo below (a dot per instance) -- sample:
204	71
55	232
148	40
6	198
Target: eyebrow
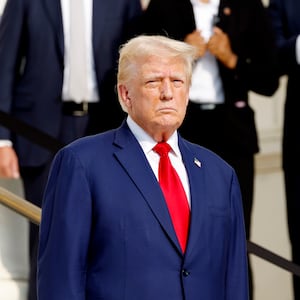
158	75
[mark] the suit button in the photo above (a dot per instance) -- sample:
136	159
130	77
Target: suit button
185	273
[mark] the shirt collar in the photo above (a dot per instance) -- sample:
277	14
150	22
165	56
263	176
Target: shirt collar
147	142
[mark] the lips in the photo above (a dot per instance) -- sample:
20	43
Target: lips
167	109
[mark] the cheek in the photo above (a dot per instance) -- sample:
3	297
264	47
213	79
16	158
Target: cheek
184	99
139	107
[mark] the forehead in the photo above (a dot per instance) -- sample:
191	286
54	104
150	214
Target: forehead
162	64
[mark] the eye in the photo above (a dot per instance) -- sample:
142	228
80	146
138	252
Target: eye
178	82
152	83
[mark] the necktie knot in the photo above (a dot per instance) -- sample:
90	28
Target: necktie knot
162	148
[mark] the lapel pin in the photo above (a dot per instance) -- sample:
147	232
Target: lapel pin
227	11
197	162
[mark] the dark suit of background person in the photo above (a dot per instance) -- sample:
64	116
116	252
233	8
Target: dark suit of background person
285	16
106	232
31	78
228	129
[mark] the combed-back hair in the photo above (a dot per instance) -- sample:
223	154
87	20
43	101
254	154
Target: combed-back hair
153	45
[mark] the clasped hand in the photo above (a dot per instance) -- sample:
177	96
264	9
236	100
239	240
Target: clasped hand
218	45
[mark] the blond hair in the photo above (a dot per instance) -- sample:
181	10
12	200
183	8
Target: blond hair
143	46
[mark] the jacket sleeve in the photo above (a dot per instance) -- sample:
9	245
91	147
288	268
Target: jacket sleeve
254	43
237	269
64	231
285	37
11	37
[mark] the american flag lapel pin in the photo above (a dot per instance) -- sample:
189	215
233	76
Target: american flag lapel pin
197	162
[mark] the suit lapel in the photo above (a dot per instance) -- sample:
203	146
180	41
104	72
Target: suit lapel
189	16
224	14
54	14
195	170
131	157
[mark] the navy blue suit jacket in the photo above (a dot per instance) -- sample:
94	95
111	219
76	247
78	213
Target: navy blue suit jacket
32	63
285	16
106	232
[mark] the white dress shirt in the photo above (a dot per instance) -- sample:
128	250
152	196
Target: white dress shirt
147	143
206	82
93	95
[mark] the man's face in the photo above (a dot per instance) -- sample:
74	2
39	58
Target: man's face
157	97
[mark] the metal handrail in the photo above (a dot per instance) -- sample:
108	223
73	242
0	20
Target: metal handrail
20	205
33	213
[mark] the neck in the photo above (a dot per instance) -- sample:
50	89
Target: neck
162	137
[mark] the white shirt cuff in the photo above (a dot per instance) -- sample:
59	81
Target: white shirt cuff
5	143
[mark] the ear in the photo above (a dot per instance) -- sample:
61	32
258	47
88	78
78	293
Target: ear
124	95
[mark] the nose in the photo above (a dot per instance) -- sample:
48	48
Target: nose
166	90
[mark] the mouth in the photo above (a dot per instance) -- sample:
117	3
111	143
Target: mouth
167	109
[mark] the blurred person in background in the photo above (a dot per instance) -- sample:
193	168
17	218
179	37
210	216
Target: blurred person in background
285	16
236	54
57	73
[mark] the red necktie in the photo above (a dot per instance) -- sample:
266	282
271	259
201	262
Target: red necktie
174	193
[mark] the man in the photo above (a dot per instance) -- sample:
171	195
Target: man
286	24
109	229
41	85
235	55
